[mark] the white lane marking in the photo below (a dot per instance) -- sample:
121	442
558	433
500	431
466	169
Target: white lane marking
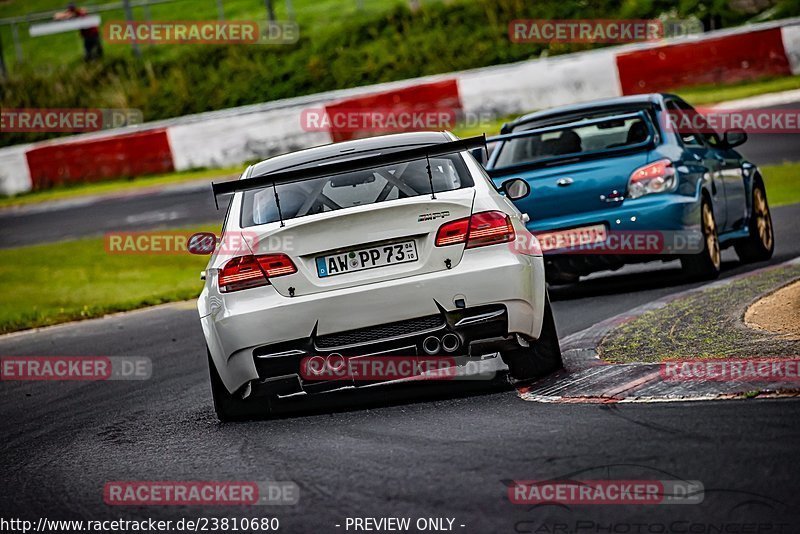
154	216
762	101
56	205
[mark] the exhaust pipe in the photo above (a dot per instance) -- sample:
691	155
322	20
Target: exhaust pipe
451	342
315	365
335	362
431	345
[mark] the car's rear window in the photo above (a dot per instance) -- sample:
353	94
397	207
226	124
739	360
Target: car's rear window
573	140
360	188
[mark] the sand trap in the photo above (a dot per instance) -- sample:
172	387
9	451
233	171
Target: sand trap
778	312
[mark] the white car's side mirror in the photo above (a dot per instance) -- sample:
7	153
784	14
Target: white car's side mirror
516	188
202	243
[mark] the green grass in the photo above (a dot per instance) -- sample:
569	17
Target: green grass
783	183
488	127
311	15
118	186
704	324
73	280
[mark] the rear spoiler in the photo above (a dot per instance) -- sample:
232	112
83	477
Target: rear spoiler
341	167
589	153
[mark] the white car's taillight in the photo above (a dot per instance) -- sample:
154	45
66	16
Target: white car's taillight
246	272
484	228
655	177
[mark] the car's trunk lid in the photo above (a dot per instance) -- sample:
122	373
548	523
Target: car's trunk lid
577	186
328	249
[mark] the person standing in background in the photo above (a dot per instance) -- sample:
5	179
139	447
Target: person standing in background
91	36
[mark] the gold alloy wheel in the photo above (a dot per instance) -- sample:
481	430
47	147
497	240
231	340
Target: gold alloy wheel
710	231
763	220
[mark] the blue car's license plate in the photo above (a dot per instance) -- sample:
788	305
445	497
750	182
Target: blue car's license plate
574	237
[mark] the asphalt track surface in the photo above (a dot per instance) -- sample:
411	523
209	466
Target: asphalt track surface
430	451
444	451
773	148
169	208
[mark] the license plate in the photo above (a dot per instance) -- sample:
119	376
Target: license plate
574	237
366	258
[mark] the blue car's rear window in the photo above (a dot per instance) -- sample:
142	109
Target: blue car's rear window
573	140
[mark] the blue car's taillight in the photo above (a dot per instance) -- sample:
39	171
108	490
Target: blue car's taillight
656	177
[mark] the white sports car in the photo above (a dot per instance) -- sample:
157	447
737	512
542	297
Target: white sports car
397	244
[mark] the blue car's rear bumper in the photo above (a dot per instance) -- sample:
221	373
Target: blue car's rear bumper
666	215
666	212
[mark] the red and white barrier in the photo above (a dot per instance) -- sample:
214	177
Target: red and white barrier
129	154
791	44
228	141
232	137
15	177
418	99
538	84
725	59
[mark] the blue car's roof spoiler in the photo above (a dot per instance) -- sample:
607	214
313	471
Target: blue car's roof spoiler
580	123
351	165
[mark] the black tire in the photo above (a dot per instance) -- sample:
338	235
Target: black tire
231	407
707	264
760	244
542	357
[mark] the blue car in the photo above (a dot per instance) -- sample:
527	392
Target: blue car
633	179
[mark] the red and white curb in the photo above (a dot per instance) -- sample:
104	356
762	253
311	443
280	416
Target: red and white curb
587	379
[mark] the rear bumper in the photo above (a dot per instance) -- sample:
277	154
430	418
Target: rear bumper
260	319
285	369
670	211
664	214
